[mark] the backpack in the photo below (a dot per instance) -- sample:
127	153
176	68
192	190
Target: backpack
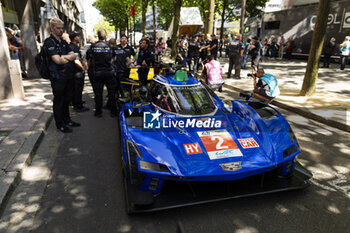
42	62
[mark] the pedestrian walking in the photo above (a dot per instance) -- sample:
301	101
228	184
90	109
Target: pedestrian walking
101	55
281	43
159	48
345	52
61	75
193	54
273	48
221	46
246	51
255	50
328	51
181	54
214	46
235	52
290	47
78	74
203	51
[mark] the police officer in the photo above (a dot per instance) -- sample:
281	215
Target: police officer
123	53
203	49
61	75
193	53
255	49
101	56
235	52
144	61
78	71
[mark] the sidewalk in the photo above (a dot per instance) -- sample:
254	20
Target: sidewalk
22	125
23	122
329	105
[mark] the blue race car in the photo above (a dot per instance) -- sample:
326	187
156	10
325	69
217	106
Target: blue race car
181	145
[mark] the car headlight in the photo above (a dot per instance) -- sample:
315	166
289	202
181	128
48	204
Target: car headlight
153	166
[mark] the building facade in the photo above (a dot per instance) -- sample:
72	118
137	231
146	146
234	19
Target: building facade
32	18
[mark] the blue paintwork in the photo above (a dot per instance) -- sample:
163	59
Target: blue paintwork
166	146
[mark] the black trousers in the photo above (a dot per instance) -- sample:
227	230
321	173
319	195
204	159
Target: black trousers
289	54
342	61
235	59
62	96
326	60
101	79
78	89
143	74
195	63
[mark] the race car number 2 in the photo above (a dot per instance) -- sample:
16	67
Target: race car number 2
219	144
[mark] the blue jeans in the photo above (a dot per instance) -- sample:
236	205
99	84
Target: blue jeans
244	60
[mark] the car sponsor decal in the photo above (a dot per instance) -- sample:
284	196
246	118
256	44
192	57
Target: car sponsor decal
233	166
193	148
219	144
248	143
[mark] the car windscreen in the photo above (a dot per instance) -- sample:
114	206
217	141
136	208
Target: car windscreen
185	100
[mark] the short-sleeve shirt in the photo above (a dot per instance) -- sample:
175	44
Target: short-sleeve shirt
100	55
264	88
181	50
77	53
121	55
146	55
212	43
235	47
255	51
193	48
55	47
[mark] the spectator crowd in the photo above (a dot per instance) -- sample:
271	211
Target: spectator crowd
107	63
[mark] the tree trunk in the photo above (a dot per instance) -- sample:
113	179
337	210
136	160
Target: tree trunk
223	19
144	10
242	17
309	84
210	24
177	9
25	14
154	20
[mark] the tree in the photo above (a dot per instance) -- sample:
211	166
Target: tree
144	10
177	9
103	24
117	13
210	17
309	83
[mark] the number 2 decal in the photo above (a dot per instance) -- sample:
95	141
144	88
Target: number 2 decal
220	142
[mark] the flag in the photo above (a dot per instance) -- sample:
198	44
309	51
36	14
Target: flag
132	10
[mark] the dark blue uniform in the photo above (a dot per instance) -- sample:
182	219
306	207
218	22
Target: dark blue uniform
78	80
61	78
147	56
101	56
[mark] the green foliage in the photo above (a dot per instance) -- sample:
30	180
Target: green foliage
104	24
118	11
251	7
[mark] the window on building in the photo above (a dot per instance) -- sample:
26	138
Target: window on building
272	25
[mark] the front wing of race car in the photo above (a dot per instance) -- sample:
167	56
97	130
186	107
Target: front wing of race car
177	193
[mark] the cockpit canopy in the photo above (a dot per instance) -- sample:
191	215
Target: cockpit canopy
182	99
